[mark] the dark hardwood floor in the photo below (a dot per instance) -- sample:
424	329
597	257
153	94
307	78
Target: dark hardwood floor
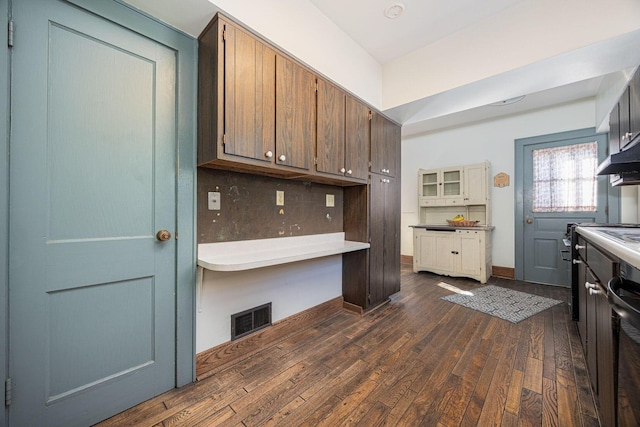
417	361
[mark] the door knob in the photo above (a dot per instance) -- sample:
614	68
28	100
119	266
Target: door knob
529	221
163	235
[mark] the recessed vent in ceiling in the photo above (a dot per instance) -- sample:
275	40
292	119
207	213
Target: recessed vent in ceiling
251	320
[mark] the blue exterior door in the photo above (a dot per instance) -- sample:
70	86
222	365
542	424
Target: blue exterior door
92	180
542	232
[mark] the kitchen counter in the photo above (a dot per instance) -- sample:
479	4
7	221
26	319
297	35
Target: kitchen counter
623	242
250	254
445	227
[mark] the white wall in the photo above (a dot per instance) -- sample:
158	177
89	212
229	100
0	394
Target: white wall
490	140
302	30
516	37
291	288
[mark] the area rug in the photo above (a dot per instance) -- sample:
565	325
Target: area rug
506	304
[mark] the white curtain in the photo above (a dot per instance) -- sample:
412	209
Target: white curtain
564	178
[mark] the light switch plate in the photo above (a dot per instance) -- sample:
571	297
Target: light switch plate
330	201
213	200
279	198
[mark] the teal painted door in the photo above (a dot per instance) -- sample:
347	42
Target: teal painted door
92	179
543	232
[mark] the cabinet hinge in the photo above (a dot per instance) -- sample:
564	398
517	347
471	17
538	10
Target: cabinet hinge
224	33
315	161
370	116
316	86
7	392
10	33
224	138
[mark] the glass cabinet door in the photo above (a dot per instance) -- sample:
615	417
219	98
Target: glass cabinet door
429	184
451	183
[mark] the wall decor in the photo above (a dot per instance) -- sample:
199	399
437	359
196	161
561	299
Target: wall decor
501	180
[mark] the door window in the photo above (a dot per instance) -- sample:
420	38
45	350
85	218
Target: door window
564	178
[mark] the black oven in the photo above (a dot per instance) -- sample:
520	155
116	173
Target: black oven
624	297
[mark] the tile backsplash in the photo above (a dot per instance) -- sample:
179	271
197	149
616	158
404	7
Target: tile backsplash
248	207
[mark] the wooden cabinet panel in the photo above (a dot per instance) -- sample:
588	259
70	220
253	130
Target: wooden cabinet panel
391	241
634	106
614	130
377	239
595	325
295	114
249	95
385	146
331	129
476	184
357	139
464	253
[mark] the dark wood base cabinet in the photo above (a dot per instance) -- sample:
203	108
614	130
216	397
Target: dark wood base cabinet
596	326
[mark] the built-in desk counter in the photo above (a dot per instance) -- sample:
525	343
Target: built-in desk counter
249	254
293	273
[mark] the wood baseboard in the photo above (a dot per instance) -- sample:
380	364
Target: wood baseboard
215	359
504	272
406	259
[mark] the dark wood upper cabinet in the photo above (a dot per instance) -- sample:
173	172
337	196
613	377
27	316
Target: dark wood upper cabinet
330	149
357	139
614	130
634	106
236	96
343	134
295	114
249	95
385	146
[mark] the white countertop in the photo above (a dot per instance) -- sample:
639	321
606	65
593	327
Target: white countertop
625	250
249	254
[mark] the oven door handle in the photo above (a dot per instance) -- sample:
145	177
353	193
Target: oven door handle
620	306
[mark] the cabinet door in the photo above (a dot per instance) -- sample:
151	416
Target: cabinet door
331	129
357	139
605	357
634	106
428	184
614	130
249	95
437	250
470	253
582	305
376	238
392	237
475	184
385	146
295	114
592	334
451	186
625	125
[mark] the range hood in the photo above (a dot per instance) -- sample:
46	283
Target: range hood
624	167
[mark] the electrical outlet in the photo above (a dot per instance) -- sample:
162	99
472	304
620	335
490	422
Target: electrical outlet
213	200
279	198
330	201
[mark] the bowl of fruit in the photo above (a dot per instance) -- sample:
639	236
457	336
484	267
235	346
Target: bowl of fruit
461	221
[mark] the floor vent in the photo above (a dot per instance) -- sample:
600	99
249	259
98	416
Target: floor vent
251	320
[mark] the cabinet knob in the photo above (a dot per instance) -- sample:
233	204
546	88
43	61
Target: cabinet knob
343	170
349	172
577	261
578	247
594	291
588	285
268	154
282	157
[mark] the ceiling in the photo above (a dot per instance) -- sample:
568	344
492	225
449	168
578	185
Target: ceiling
551	82
421	23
